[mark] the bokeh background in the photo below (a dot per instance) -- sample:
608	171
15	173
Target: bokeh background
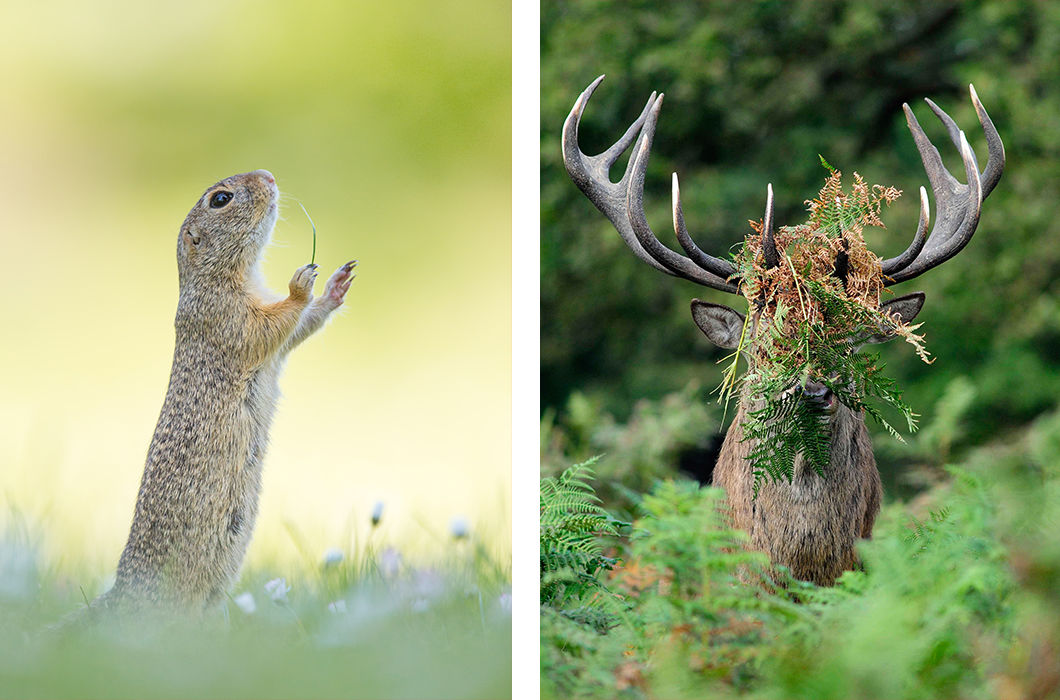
391	123
754	92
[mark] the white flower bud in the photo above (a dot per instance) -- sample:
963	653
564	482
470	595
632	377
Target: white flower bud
245	602
277	589
459	528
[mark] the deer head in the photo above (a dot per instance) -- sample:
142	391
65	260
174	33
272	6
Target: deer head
812	523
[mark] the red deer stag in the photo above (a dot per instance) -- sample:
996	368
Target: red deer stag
812	524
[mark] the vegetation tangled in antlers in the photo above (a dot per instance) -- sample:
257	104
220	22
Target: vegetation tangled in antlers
819	296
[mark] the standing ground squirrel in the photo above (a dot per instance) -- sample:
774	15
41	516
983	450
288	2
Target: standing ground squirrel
199	495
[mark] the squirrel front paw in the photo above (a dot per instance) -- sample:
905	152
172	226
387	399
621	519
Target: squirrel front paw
302	283
338	285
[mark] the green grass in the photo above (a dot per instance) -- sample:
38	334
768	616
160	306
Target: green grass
368	625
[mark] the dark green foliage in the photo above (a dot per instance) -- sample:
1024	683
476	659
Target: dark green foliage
572	555
683	589
679	428
780	431
956	599
786	425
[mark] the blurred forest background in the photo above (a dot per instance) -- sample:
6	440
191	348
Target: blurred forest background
754	92
391	124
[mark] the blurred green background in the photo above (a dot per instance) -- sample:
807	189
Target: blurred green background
391	123
754	92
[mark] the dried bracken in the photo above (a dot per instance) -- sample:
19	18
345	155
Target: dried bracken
808	308
830	251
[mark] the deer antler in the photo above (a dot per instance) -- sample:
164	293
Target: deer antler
623	202
958	204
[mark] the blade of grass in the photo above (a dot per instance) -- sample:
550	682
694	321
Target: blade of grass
313	258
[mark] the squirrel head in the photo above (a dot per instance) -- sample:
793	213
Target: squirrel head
226	231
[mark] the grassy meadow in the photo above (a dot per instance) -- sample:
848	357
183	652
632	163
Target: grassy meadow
368	621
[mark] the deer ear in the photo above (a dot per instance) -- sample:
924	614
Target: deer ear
906	307
722	325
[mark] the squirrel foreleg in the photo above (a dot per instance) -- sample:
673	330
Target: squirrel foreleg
317	313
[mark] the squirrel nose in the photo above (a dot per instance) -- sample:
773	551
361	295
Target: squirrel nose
266	176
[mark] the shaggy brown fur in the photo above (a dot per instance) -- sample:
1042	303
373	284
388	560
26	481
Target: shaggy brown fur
812	524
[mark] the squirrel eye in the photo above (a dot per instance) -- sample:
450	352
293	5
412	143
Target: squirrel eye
219	199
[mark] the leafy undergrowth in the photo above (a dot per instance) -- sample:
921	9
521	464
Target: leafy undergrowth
957	599
362	625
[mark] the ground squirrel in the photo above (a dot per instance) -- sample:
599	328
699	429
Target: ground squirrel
199	495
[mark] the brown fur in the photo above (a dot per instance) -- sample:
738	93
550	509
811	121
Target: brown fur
198	499
811	525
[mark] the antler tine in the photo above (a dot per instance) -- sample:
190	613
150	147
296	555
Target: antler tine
892	265
769	244
675	263
952	129
591	173
721	268
958	204
995	162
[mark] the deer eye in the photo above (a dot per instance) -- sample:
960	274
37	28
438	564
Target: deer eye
219	199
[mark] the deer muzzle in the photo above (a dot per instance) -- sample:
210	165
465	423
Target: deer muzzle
818	394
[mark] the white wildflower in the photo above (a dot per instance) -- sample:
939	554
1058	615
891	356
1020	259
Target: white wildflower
377	513
459	528
332	557
245	602
277	589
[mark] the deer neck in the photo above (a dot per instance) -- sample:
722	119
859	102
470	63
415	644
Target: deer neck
850	453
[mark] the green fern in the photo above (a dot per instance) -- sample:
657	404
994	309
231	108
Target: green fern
809	322
572	523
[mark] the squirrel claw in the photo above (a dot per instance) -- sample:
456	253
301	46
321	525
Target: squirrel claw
339	283
302	283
